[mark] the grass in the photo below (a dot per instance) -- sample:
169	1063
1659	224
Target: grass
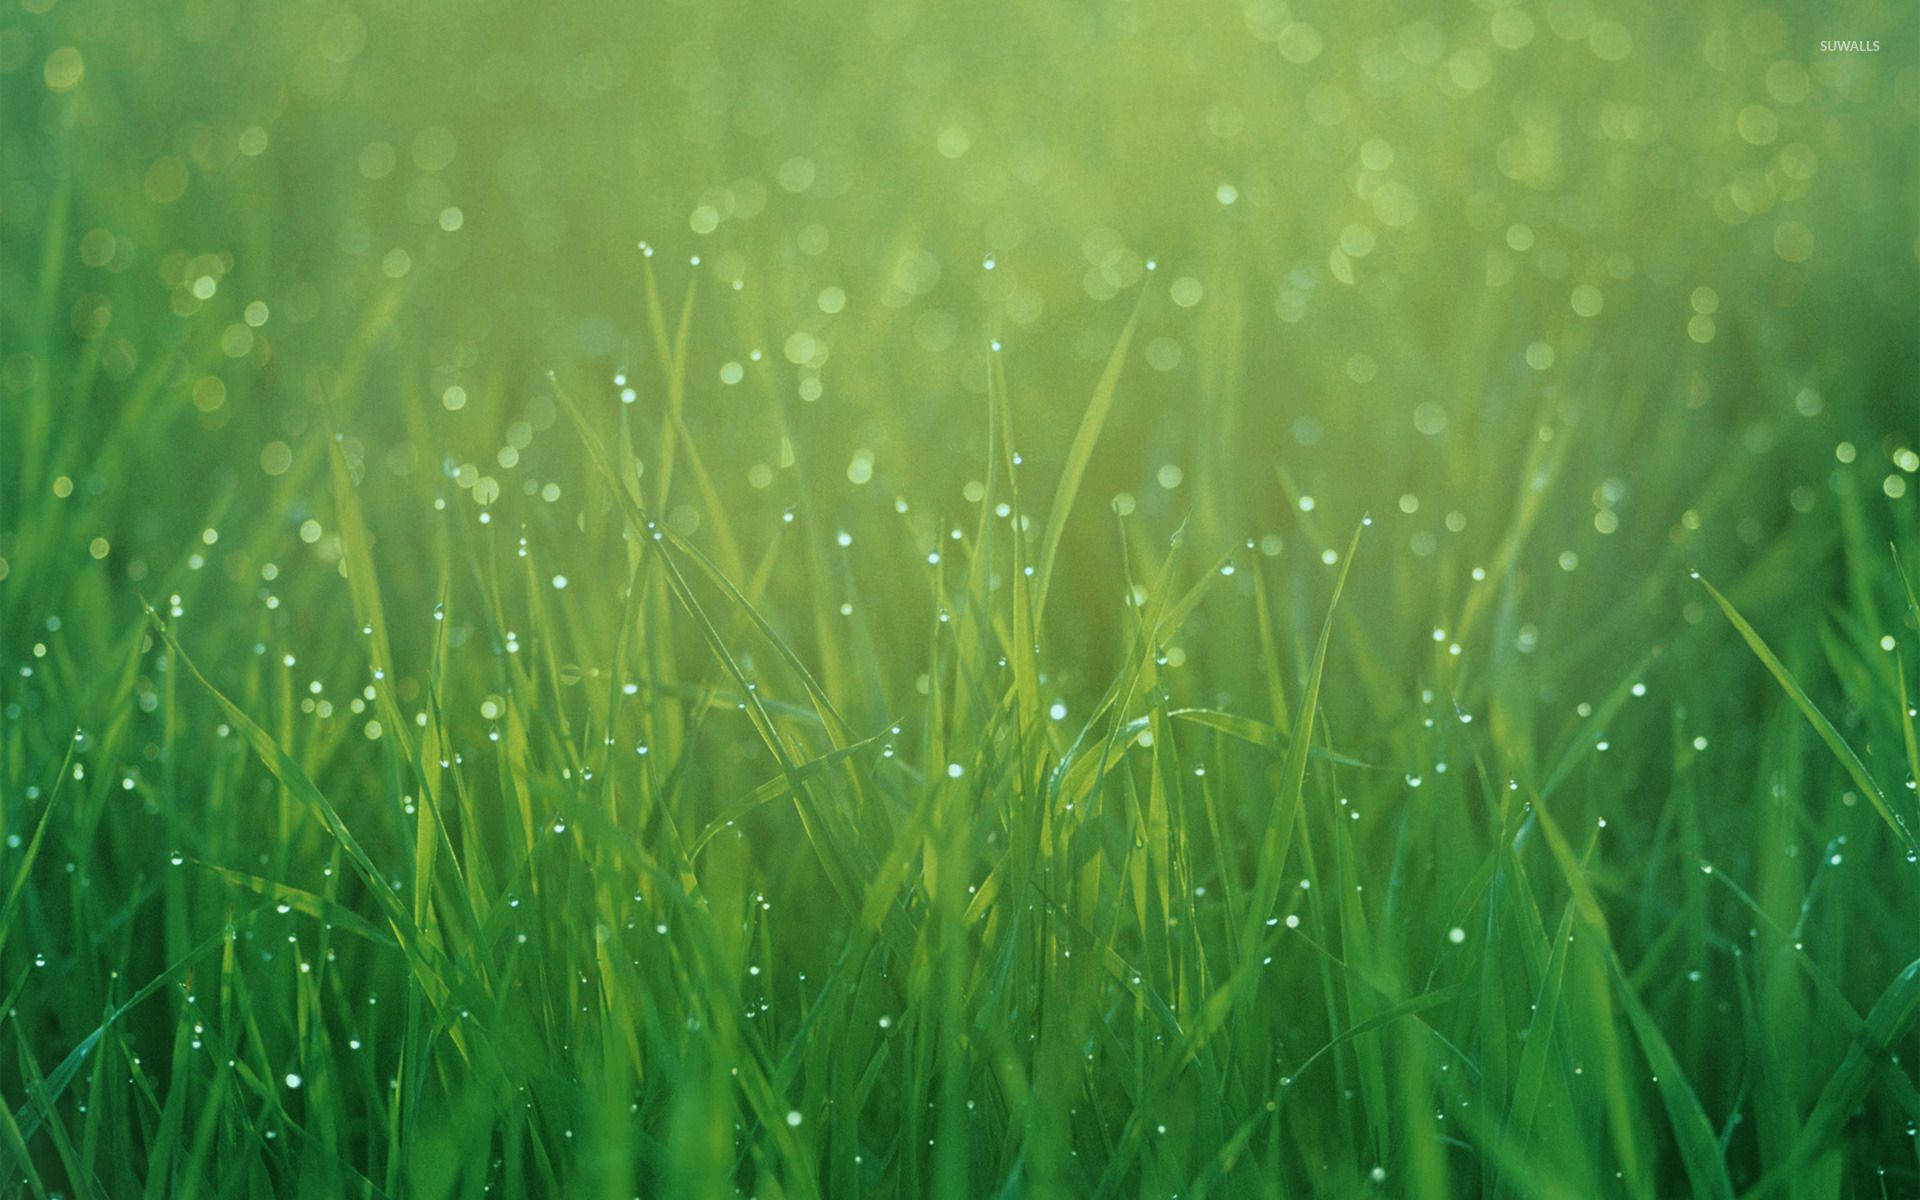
1122	601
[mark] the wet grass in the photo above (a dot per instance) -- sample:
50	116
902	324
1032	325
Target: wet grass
1000	656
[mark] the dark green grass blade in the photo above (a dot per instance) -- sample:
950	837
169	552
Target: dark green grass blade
1873	1050
1856	769
57	1080
1699	1145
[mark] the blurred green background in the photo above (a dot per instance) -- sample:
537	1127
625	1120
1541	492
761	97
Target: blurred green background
1391	245
1567	300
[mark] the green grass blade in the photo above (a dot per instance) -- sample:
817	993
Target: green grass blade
1081	452
1856	769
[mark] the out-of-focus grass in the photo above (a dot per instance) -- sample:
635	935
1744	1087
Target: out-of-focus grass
807	600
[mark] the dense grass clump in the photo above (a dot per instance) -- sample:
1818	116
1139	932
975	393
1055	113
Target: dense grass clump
1117	600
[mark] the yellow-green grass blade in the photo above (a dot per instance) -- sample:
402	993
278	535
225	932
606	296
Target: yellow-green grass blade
1277	832
778	788
1078	455
296	780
